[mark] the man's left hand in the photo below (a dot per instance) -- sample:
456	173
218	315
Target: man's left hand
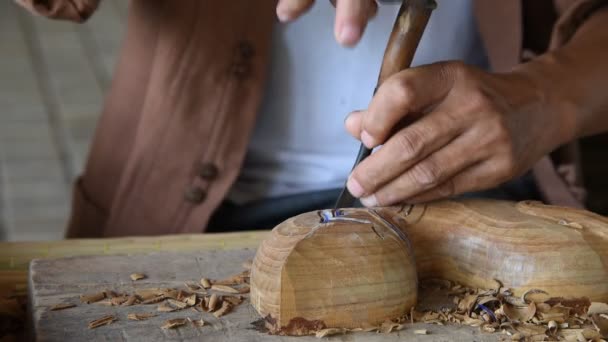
351	16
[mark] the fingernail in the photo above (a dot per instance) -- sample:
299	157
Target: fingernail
349	34
367	139
283	15
369	201
354	187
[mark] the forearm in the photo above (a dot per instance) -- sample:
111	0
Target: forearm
573	80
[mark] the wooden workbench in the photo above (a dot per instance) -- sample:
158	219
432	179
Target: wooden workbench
232	247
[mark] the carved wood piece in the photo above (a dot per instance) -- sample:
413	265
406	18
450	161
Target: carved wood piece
359	267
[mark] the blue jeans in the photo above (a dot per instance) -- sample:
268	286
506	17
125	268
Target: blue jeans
267	213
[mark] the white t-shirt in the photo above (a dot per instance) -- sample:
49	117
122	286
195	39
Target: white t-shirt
299	143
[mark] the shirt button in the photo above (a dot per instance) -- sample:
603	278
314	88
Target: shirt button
208	171
195	195
246	49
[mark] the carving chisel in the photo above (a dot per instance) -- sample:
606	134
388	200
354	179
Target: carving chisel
406	34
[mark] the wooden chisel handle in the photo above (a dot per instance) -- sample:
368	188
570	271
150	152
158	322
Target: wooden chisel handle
406	34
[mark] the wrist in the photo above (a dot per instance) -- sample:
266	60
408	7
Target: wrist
553	95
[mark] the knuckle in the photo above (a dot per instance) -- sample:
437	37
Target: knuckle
481	101
427	174
404	90
411	143
447	189
508	165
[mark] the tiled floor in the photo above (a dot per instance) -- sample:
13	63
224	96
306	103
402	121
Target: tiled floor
52	79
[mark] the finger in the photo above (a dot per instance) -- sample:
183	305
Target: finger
477	177
402	151
288	10
351	20
352	123
410	91
436	169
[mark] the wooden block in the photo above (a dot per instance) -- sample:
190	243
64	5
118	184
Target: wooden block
63	280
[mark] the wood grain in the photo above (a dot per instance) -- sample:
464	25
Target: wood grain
352	272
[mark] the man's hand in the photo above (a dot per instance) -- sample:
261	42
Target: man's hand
466	130
351	16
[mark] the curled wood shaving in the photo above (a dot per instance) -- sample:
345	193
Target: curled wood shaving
224	309
330	332
137	276
140	316
552	327
190	300
234	300
116	301
174	323
166	307
198	323
146	294
105	320
597	308
92	298
519	313
532	292
177	304
62	306
213	301
389	326
224	288
193	287
130	301
155	300
205	283
244	289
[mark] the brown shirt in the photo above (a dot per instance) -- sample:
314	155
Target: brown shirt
177	120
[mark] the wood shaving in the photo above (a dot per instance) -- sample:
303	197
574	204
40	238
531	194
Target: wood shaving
330	332
166	307
116	301
146	294
389	326
190	300
520	313
155	300
597	308
93	298
105	320
224	288
178	304
205	303
421	332
62	306
193	287
174	323
137	276
213	301
205	283
234	300
224	309
244	289
140	316
198	323
130	301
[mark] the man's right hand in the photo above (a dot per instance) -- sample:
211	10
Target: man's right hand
351	16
